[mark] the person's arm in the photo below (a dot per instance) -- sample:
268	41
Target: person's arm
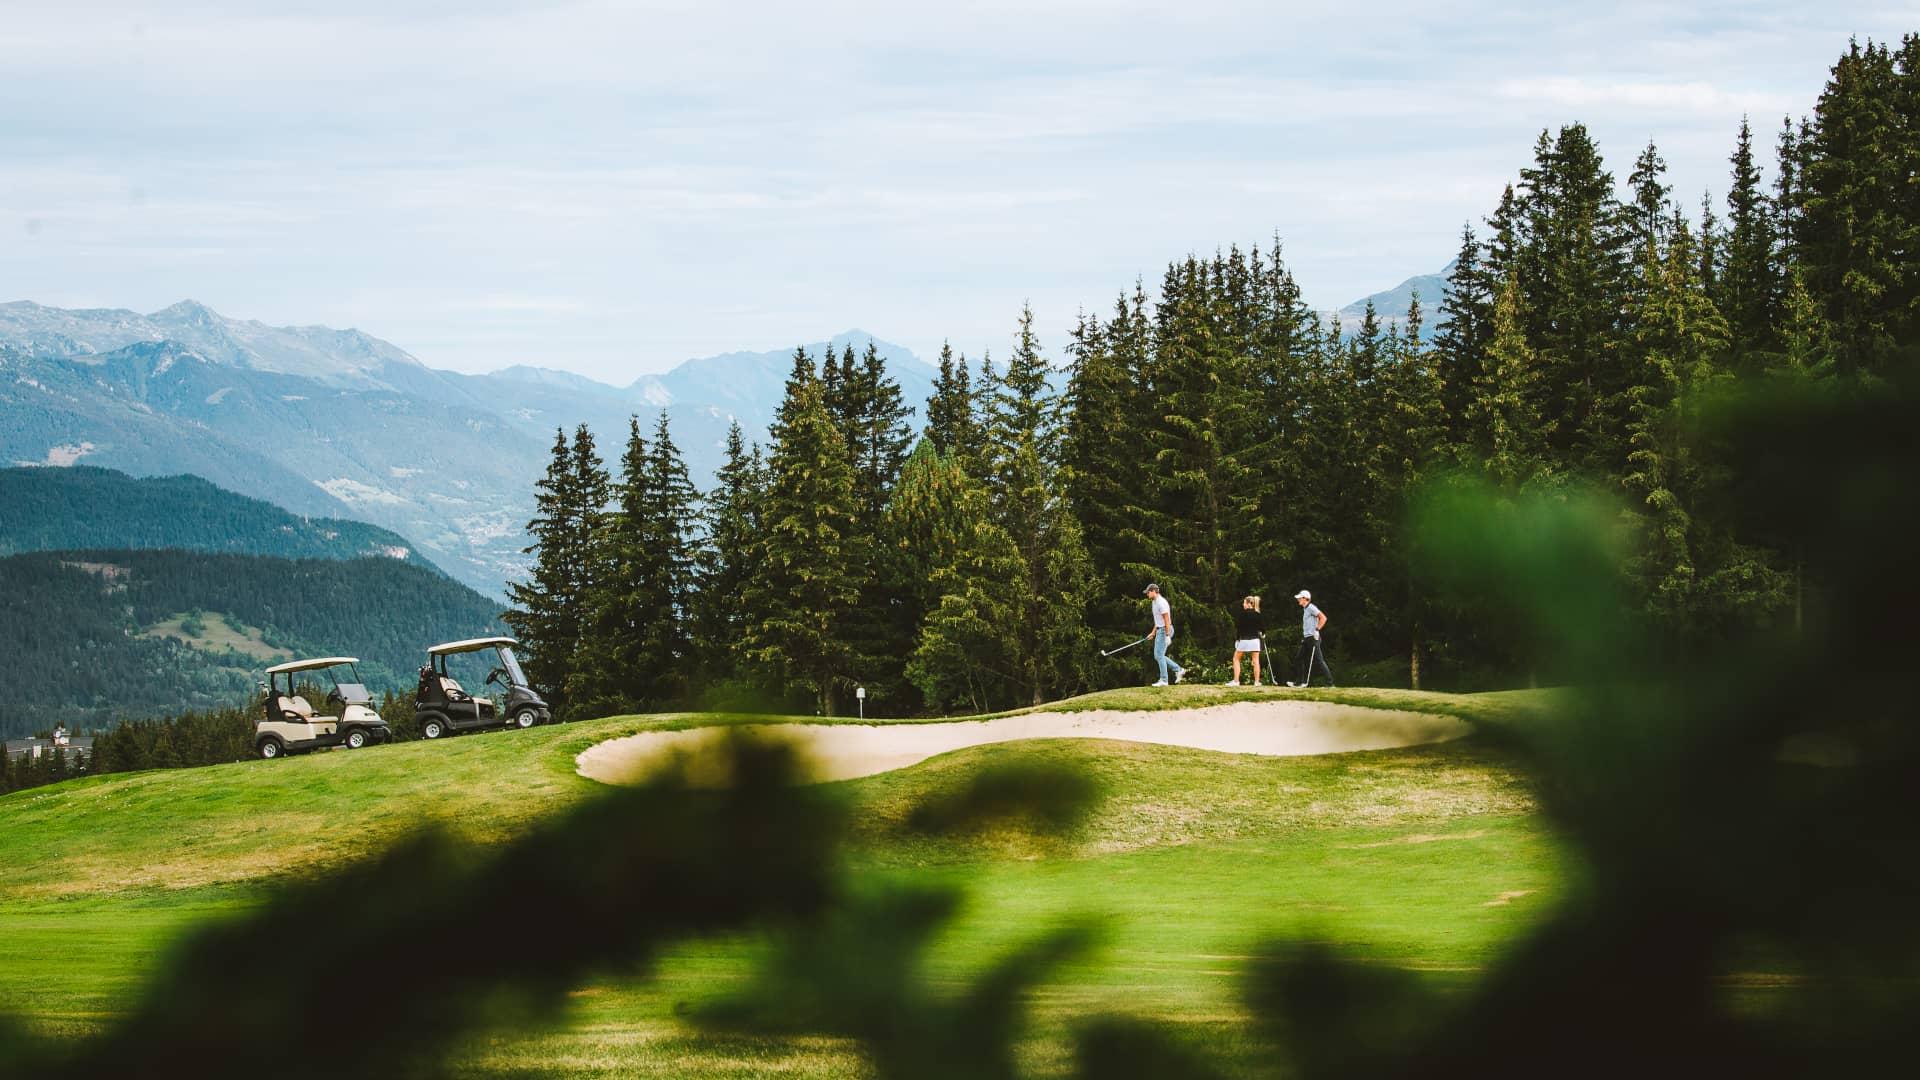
1322	624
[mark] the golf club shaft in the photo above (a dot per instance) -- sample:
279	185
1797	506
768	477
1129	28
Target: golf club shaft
1124	648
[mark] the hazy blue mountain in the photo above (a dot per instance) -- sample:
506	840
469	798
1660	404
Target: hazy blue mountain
433	466
1392	304
86	507
702	396
337	424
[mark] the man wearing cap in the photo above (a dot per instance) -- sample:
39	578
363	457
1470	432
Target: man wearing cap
1312	621
1163	636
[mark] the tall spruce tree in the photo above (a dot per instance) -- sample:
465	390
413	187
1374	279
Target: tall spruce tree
724	561
1679	334
807	561
1854	228
1030	507
1574	271
638	646
550	609
612	675
1100	459
952	420
1748	289
1508	435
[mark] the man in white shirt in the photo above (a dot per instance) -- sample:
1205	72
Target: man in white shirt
1163	636
1312	621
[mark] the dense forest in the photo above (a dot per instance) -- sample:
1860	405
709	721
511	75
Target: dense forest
80	507
83	649
1221	438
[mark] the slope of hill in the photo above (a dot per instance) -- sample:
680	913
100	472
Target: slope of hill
332	423
87	507
98	636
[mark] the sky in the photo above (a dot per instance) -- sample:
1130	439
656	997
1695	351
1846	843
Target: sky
613	188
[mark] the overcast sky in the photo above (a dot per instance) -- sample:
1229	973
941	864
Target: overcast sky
612	188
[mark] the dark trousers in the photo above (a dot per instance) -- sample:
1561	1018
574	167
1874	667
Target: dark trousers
1311	657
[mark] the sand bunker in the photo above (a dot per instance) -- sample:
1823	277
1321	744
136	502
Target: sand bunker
846	751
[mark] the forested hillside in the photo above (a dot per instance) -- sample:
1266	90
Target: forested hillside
1221	438
65	509
95	637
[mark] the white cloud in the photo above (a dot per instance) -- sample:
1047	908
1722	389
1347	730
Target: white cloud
1696	97
611	188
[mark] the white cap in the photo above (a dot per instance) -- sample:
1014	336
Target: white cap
1303	595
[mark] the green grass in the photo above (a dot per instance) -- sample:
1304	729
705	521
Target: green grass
1429	858
217	635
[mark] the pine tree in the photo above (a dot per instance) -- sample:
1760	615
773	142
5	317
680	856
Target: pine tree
1678	333
1508	434
724	561
881	434
951	420
803	586
1747	290
1854	232
1806	348
548	609
970	653
1052	600
658	596
1100	457
1575	279
1650	197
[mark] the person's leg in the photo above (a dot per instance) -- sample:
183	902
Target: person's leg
1236	665
1304	661
1178	671
1256	668
1320	660
1160	652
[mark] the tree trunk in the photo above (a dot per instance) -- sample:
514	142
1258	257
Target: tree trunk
1413	662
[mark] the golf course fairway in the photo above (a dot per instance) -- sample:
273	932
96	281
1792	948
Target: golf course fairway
1429	858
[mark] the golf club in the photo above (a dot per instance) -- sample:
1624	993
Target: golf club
1124	648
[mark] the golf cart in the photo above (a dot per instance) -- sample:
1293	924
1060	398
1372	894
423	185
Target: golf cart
443	706
288	724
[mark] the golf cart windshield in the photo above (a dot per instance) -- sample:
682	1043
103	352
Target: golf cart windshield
346	683
512	664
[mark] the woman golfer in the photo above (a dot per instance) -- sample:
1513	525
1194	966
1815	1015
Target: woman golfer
1163	637
1248	625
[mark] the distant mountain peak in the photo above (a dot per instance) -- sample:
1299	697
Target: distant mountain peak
187	309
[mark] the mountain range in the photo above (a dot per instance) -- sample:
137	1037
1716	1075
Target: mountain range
339	424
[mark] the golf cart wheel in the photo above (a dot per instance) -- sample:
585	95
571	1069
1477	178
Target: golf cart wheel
525	718
270	748
356	739
432	729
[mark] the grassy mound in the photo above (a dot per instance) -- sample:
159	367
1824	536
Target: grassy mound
1427	857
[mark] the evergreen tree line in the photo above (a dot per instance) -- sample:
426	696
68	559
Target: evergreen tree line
1221	438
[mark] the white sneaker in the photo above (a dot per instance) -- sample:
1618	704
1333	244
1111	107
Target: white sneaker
1162	682
1181	674
1231	682
1293	684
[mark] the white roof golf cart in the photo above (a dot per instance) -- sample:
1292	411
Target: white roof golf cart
289	724
442	706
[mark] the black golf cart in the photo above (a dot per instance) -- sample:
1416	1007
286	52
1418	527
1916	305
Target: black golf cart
442	705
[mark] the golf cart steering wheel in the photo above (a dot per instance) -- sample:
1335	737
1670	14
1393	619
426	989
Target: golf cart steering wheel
498	675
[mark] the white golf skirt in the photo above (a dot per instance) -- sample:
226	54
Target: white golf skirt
1250	644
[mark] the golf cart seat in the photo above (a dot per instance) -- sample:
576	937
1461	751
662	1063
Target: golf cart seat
452	690
296	706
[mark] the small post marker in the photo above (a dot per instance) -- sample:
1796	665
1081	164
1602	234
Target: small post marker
860	692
